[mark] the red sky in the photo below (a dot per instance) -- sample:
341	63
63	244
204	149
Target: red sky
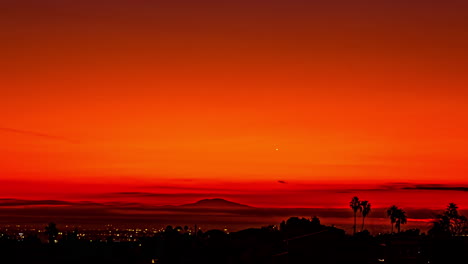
152	96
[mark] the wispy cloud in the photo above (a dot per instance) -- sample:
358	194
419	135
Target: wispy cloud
195	188
436	187
17	202
125	195
37	134
407	187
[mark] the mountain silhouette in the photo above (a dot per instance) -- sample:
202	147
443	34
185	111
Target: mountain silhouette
216	203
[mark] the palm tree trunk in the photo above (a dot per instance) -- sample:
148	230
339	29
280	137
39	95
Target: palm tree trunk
392	228
362	228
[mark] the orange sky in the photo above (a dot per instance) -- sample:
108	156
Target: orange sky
202	94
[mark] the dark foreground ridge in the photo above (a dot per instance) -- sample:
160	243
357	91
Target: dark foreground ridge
297	240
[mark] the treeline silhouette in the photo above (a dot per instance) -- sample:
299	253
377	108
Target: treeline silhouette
396	215
449	223
295	240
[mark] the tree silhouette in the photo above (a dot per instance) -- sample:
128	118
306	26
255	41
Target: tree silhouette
392	215
400	219
365	210
452	210
451	222
355	204
169	229
315	221
52	232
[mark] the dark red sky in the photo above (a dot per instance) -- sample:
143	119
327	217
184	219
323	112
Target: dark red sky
226	98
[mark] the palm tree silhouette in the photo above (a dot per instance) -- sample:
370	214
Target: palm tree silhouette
401	219
365	210
397	216
392	214
355	204
52	231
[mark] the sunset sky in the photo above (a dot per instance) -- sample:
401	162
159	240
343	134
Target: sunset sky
310	101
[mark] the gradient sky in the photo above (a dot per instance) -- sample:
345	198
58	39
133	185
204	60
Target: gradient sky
227	98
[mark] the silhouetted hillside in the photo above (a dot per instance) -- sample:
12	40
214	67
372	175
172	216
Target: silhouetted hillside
216	203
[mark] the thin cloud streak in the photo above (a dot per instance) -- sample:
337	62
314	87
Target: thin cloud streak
437	187
38	134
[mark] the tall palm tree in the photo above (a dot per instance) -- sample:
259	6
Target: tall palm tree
401	219
355	204
366	208
392	213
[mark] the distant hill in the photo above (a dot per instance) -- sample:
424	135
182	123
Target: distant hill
216	203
